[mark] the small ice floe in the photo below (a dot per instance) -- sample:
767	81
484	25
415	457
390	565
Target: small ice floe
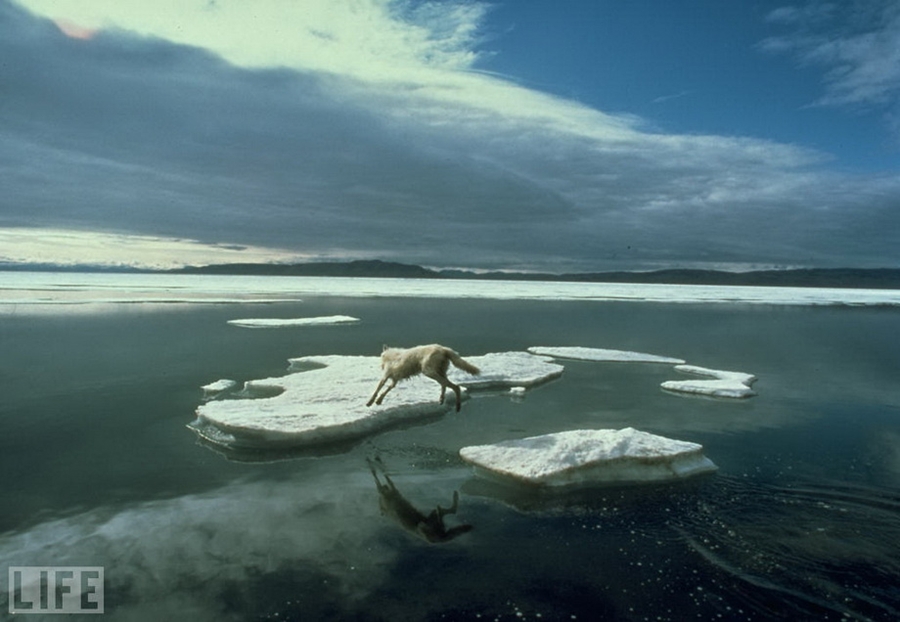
325	402
602	355
583	457
300	321
731	384
219	386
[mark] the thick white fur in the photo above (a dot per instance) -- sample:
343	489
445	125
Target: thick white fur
431	361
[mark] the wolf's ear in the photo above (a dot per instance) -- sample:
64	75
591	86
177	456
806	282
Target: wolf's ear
385	347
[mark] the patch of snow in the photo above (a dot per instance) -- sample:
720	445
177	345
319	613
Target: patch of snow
326	401
301	321
587	457
602	355
731	384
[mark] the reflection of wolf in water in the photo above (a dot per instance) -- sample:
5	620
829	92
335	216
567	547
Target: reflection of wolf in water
430	527
431	361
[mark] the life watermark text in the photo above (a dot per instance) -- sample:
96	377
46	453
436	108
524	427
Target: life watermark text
55	589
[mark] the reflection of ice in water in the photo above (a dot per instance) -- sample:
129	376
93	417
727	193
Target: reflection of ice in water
807	551
171	559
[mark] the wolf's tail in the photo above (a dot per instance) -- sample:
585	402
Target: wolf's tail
462	364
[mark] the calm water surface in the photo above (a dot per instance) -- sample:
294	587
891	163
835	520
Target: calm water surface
801	522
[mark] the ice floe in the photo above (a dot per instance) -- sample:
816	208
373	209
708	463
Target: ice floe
602	355
325	402
502	370
579	457
300	321
219	386
717	383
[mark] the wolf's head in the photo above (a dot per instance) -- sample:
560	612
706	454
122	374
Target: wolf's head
388	354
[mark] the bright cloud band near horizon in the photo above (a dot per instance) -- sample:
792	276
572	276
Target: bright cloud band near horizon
378	128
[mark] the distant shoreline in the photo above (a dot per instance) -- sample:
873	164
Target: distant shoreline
851	278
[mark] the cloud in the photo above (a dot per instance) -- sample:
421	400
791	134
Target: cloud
370	39
365	129
72	247
857	44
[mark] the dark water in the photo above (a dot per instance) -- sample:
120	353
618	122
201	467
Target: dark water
801	522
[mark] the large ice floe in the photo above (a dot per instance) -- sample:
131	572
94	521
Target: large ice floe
300	321
602	355
583	457
324	400
715	383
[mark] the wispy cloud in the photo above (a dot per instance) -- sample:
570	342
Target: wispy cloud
665	98
857	43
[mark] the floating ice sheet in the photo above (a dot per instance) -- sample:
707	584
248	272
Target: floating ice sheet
326	401
219	386
502	370
589	456
300	321
732	384
602	355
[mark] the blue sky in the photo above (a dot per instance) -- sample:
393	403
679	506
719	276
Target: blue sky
527	134
693	67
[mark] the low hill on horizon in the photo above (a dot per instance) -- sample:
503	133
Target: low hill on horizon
877	278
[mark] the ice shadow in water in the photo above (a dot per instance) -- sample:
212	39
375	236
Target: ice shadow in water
430	527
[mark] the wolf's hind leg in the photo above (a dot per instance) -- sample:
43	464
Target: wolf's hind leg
445	384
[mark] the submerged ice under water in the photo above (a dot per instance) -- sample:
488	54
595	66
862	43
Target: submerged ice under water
801	521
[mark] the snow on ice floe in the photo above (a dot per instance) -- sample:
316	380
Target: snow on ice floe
602	355
731	384
326	401
300	321
579	457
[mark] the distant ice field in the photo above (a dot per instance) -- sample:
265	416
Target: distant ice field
41	291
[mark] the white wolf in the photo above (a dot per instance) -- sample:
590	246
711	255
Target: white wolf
431	361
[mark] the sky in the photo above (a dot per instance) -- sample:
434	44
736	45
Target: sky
582	135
